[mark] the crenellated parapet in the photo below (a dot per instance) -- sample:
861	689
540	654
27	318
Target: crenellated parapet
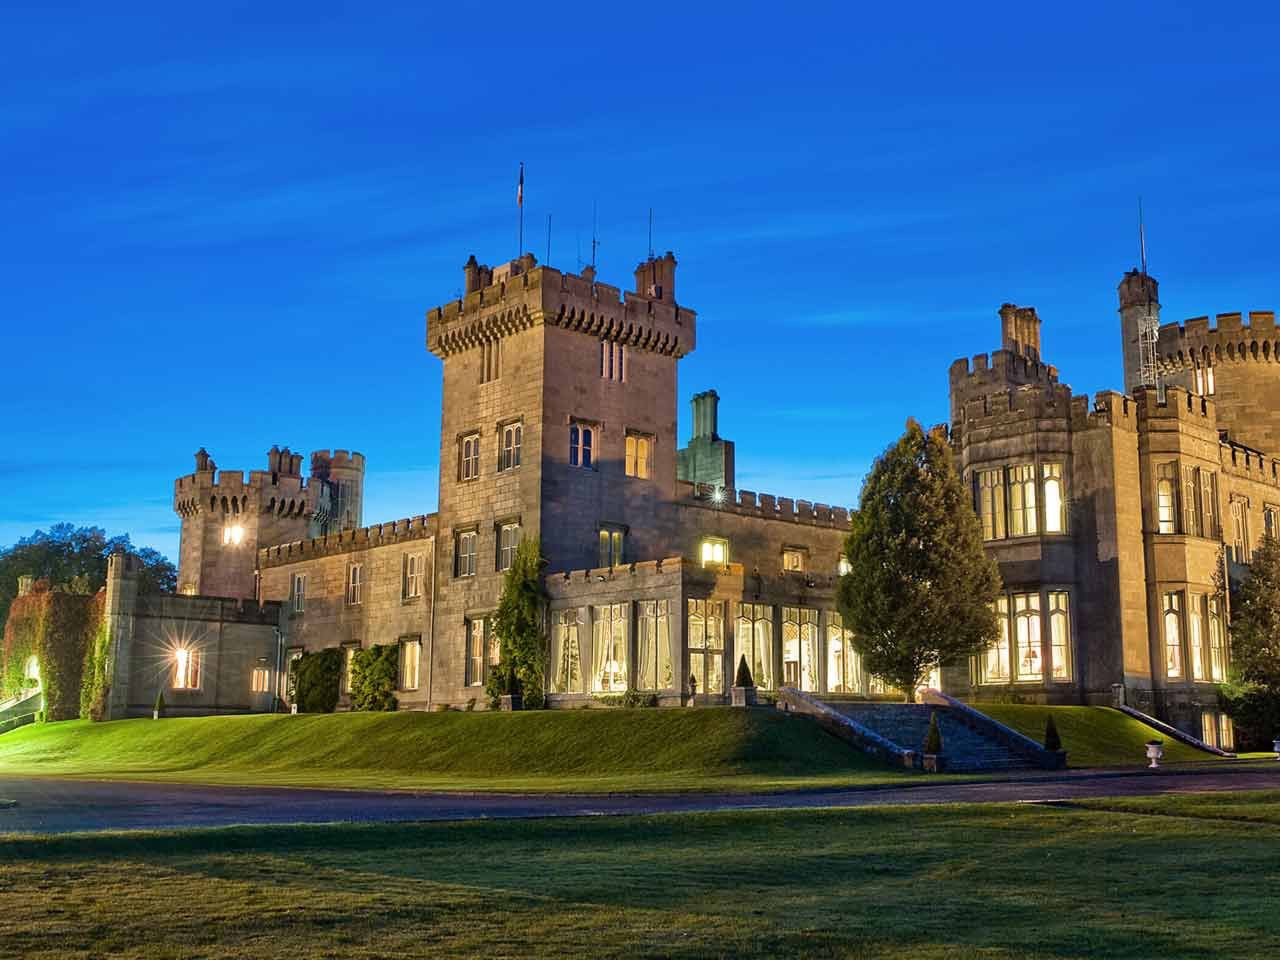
1228	338
1109	409
519	295
622	572
1176	404
1246	463
421	527
762	505
230	493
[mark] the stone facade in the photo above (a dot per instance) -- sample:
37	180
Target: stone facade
1110	518
1114	522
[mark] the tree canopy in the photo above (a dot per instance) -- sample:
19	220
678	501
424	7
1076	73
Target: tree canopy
1255	619
920	587
74	560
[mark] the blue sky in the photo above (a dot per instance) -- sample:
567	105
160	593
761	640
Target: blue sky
223	227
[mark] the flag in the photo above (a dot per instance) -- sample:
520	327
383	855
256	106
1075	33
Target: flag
520	188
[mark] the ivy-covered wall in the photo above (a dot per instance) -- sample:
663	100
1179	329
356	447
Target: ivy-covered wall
57	629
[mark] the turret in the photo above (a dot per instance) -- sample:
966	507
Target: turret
343	472
1139	294
656	278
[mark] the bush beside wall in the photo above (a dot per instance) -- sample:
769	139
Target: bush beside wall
58	629
374	674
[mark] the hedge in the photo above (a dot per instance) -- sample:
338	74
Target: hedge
319	676
374	675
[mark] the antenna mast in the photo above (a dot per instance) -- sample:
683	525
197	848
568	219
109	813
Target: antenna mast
594	242
1149	326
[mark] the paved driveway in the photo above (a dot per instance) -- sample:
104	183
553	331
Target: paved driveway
38	805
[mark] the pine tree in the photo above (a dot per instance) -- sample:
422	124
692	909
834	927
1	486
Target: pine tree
1255	620
1052	742
920	587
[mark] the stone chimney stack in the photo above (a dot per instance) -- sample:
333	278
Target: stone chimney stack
1020	331
656	278
706	415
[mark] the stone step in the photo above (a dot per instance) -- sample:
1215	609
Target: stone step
907	725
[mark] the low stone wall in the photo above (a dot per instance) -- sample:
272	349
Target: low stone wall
791	700
1174	732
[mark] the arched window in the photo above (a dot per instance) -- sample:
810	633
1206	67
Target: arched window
1173	636
1054	498
1166	498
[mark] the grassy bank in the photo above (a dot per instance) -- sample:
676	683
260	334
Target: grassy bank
581	750
1093	736
925	882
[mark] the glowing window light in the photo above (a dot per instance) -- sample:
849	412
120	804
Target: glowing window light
186	669
232	535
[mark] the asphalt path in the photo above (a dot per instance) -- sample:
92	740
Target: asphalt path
54	805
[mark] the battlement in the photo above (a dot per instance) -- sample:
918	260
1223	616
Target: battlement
520	294
765	506
1227	338
998	368
1245	462
670	565
1109	409
175	607
1027	401
420	527
229	490
1178	404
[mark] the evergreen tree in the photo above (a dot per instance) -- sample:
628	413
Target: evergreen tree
920	587
522	645
1255	620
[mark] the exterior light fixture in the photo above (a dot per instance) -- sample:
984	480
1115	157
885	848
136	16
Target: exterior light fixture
717	496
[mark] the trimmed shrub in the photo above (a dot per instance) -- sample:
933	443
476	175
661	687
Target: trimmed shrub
743	677
1052	741
159	704
933	739
374	674
319	679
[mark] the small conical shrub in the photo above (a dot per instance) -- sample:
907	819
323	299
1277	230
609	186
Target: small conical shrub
933	739
1052	742
159	707
743	677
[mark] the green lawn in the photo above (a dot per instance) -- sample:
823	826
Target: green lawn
1008	881
1093	736
581	750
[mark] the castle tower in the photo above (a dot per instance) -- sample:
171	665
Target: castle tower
226	518
343	472
1139	300
558	422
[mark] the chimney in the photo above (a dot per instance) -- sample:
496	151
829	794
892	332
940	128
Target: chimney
1020	330
706	415
656	278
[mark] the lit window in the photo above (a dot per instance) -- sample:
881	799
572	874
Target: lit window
469	458
260	680
609	648
1055	518
842	659
1196	636
844	567
566	653
186	669
639	450
1030	647
1209	380
1271	522
355	583
1200	381
1173	635
800	648
995	659
1166	498
232	535
508	540
1217	643
464	554
580	440
31	671
348	666
413	571
612	540
1060	635
755	641
653	646
478	631
706	645
793	560
509	453
1022	500
991	503
410	653
299	592
1226	732
715	551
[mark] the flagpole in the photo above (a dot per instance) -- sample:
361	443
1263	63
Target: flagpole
520	204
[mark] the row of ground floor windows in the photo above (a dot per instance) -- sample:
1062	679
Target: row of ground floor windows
592	649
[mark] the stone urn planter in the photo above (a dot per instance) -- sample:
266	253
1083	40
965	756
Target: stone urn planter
1155	753
933	762
511	701
743	696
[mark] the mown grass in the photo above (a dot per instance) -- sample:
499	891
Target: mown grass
558	751
927	882
1093	736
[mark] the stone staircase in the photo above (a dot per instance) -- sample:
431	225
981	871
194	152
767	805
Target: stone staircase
964	749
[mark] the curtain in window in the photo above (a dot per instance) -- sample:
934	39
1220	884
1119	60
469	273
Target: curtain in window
1217	643
1060	635
755	641
1172	636
566	676
842	659
1054	498
609	633
1022	500
1195	635
1026	618
995	663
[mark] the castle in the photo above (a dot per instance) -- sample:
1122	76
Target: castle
1112	521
